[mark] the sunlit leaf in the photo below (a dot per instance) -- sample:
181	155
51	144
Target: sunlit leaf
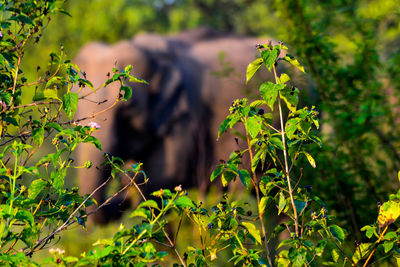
253	231
252	68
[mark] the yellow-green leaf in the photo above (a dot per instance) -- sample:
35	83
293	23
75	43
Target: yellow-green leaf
252	68
253	231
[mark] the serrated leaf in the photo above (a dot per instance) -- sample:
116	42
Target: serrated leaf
289	58
38	135
269	91
244	177
35	188
252	68
253	231
337	233
269	57
253	126
70	104
57	178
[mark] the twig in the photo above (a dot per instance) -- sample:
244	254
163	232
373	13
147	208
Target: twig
296	225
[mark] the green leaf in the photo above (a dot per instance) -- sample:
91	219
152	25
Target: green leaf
223	127
291	127
148	204
282	202
85	82
58	178
284	78
335	255
141	213
300	205
361	251
11	120
257	103
93	140
217	172
136	79
269	91
38	135
337	232
54	82
252	68
54	125
289	58
263	204
22	18
127	92
70	104
244	177
184	202
310	159
369	230
319	249
269	57
388	213
256	159
290	96
388	246
25	216
277	142
253	126
46	94
35	188
253	231
227	177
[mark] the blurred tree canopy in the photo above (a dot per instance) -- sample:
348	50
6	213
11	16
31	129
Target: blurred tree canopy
350	49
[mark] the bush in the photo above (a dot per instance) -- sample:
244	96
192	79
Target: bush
35	204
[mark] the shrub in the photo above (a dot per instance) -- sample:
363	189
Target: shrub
35	204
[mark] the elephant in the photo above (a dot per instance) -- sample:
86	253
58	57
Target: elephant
170	124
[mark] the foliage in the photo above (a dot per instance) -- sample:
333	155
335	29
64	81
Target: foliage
35	204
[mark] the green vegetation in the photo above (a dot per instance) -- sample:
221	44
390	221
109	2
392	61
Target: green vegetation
348	48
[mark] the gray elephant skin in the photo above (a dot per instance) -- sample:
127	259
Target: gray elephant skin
171	124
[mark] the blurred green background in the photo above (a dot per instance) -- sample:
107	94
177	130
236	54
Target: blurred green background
350	49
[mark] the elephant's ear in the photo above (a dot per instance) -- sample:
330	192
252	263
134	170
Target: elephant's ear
166	89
